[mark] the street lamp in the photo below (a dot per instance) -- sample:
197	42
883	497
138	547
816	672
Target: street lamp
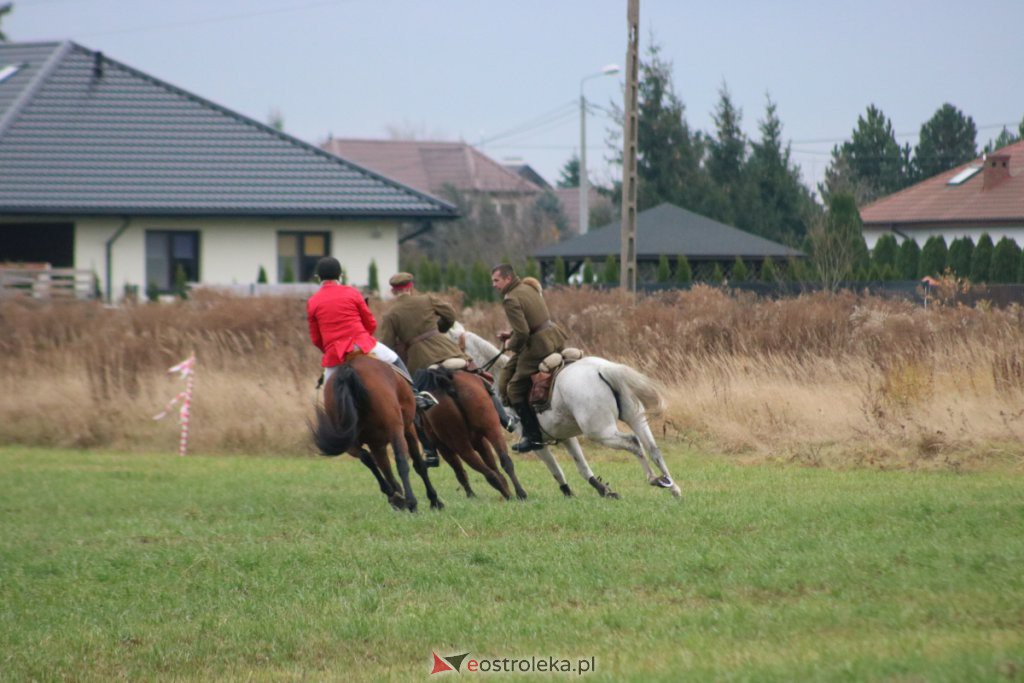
584	181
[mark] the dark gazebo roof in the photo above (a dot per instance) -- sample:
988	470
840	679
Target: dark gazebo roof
670	230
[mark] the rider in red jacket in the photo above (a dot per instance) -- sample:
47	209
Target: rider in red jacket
340	322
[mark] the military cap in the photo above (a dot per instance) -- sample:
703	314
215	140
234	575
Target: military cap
401	280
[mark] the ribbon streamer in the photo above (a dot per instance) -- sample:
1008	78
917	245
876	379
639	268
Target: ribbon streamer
186	369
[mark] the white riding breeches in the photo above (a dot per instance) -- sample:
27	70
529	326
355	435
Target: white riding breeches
379	351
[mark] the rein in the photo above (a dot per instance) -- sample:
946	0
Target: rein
487	366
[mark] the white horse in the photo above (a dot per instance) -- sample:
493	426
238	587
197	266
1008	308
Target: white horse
589	396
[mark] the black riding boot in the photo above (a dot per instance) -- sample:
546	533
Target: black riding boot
532	439
507	419
429	452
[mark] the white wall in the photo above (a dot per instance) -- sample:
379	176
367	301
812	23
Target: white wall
231	250
921	235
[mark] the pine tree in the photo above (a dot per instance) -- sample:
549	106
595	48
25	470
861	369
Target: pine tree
948	139
872	156
1005	261
664	270
934	257
531	269
716	276
769	273
907	260
781	203
587	277
960	252
261	276
884	253
180	282
560	276
726	164
373	281
683	273
981	259
610	272
739	271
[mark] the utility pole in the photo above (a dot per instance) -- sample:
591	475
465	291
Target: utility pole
627	258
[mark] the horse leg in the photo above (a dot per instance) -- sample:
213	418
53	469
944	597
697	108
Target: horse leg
643	432
605	490
549	459
380	456
367	460
473	459
402	464
420	466
456	464
495	444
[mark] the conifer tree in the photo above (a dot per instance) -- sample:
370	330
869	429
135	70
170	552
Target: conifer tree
960	252
560	276
981	259
664	270
907	261
683	273
1005	261
934	257
610	272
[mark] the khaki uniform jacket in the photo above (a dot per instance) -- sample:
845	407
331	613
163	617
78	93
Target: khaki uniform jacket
526	311
412	315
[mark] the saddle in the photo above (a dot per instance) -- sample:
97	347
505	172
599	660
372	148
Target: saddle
454	364
543	381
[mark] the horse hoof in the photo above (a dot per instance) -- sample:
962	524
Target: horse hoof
676	492
397	501
566	491
436	505
521	495
662	482
611	494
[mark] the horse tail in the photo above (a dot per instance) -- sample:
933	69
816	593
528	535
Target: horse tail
337	433
627	383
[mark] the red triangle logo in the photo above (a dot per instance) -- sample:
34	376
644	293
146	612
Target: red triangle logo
440	665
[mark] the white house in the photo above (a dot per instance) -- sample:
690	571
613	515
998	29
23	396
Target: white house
984	195
105	168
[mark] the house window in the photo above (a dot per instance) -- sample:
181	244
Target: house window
166	250
297	254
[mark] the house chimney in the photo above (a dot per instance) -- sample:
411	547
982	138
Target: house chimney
97	65
997	169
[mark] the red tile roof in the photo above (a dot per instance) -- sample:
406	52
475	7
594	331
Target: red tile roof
936	201
429	166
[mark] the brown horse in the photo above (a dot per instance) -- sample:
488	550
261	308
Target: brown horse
366	402
465	427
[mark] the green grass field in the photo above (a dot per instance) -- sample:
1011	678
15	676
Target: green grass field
202	568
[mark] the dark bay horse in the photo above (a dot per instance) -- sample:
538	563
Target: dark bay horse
366	402
465	427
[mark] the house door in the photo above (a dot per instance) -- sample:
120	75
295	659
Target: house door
52	243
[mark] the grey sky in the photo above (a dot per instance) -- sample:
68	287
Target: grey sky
474	69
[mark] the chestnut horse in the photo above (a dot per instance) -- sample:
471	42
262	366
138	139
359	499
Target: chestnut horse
366	402
465	428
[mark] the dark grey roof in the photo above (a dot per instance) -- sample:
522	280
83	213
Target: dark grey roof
670	230
83	134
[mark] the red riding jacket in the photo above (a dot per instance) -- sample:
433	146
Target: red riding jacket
338	320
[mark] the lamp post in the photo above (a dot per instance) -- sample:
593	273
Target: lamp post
584	181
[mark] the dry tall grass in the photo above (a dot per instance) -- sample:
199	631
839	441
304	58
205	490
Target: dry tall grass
821	379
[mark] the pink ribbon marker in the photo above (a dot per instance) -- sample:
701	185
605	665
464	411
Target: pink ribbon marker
186	369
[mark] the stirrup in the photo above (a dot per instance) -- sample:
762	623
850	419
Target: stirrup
526	445
425	400
512	423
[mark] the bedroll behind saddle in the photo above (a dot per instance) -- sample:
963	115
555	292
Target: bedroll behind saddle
543	382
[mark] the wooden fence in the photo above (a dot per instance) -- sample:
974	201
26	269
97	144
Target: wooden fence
40	281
